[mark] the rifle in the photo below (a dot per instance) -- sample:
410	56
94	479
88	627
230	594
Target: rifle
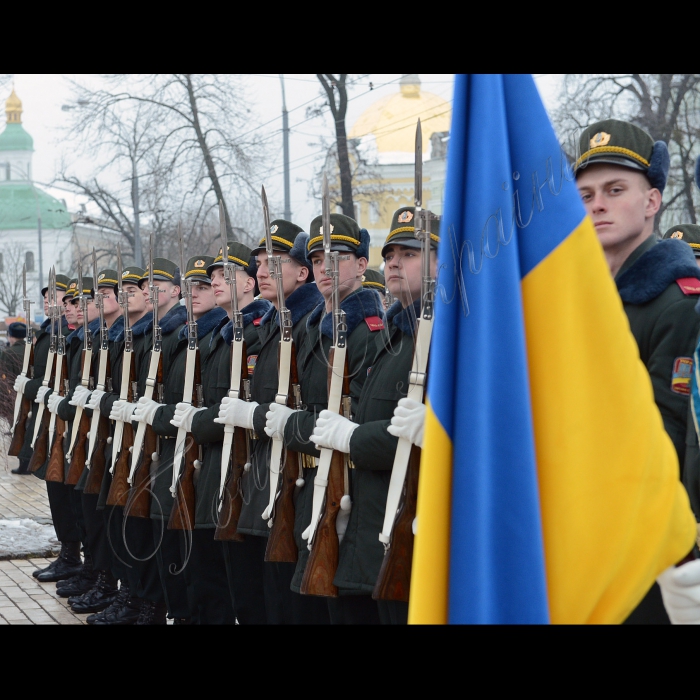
55	470
99	425
23	404
81	424
236	447
145	449
186	449
123	432
329	484
40	439
280	510
394	579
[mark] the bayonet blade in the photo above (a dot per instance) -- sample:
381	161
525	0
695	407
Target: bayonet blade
120	269
24	280
94	271
80	283
150	263
182	252
418	187
222	231
266	219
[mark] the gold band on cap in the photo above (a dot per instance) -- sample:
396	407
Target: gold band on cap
160	272
367	283
612	149
279	239
104	282
334	237
189	273
405	229
61	285
695	246
130	276
231	258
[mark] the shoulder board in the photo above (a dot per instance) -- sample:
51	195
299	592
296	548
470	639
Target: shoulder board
374	323
256	321
689	285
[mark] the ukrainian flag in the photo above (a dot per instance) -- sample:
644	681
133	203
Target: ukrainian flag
549	490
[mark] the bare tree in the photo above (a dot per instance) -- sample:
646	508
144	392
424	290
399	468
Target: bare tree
665	105
11	262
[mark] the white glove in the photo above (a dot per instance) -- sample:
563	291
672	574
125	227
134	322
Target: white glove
333	430
680	589
277	418
122	410
53	401
43	390
236	412
80	397
95	398
408	421
184	413
146	410
20	383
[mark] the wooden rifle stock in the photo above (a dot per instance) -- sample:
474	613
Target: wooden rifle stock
182	514
394	580
227	527
56	469
281	546
77	462
19	429
323	558
93	485
138	504
41	445
119	490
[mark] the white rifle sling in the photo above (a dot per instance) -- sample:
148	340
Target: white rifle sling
79	410
56	386
181	432
335	398
45	382
20	394
278	442
141	430
233	393
123	395
416	388
101	379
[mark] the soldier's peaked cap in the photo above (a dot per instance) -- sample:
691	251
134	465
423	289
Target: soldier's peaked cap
403	230
107	278
164	270
616	142
346	235
62	282
131	274
690	233
373	279
238	254
283	234
87	288
72	289
197	268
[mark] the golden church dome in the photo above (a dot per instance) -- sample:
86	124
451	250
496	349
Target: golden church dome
13	108
392	120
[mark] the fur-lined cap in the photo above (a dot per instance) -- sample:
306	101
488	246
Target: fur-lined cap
621	143
690	233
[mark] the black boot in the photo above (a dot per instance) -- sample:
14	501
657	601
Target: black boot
128	614
152	613
119	602
77	585
68	564
101	596
23	467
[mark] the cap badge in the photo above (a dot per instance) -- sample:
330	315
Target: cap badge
600	139
73	285
273	228
101	277
677	234
405	216
199	263
320	229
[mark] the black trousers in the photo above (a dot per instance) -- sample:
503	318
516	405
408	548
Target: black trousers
171	565
144	579
244	570
122	563
353	610
393	612
62	513
96	533
77	506
206	574
650	611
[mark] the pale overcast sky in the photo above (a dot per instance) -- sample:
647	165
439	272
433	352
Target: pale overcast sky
43	96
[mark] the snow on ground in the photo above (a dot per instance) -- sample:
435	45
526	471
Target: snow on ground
21	538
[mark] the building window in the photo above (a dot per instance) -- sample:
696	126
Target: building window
29	261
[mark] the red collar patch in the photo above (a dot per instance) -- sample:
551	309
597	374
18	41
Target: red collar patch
689	285
374	323
256	321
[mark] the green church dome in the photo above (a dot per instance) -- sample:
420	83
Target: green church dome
21	202
15	138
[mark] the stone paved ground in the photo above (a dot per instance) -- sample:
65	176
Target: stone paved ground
23	600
